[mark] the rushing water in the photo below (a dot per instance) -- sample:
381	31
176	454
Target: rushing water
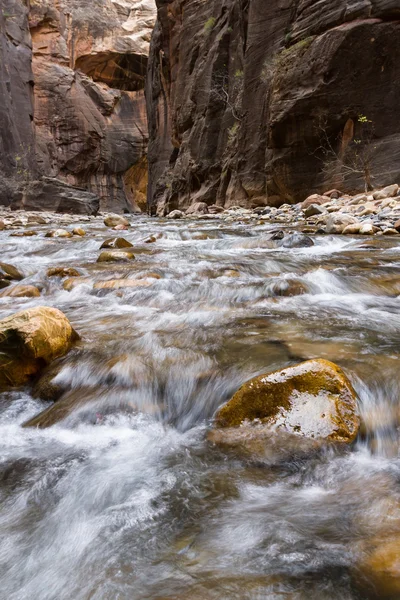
125	498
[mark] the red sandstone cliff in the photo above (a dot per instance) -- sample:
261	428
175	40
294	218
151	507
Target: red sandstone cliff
72	103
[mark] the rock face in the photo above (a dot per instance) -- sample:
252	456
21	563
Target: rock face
72	104
259	102
31	339
313	399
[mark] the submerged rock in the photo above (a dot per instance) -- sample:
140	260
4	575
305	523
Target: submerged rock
72	282
117	284
47	387
313	399
20	291
380	568
31	339
116	256
116	243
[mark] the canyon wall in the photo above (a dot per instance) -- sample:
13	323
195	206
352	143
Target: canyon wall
73	125
253	102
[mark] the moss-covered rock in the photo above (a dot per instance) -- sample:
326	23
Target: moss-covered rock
313	399
31	339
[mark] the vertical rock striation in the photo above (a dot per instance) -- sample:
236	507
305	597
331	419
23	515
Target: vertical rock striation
253	102
88	119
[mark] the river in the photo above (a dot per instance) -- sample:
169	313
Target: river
125	498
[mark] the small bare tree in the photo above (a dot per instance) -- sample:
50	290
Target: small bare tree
350	152
229	95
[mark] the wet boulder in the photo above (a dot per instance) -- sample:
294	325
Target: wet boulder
79	231
313	399
20	291
62	272
296	240
116	256
31	339
62	233
10	272
117	242
113	220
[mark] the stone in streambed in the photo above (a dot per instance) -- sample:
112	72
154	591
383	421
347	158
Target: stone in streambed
79	231
47	387
388	192
116	243
313	399
73	282
368	229
113	220
296	240
175	214
198	208
10	272
116	256
379	569
117	284
62	272
20	291
287	288
336	223
313	210
31	339
352	229
314	199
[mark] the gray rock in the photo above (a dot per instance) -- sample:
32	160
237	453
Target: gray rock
296	240
175	214
336	223
388	192
313	210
